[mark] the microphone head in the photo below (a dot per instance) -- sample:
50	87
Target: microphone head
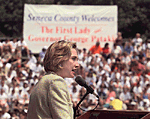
80	81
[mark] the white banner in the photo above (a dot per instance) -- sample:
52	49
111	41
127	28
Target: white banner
44	24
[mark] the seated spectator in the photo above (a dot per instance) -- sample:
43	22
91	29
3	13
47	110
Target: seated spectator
92	62
84	52
137	90
116	50
16	58
106	67
36	68
13	44
82	92
7	45
111	93
96	49
3	85
118	86
102	79
106	51
92	98
31	60
14	87
102	94
4	113
22	45
137	40
95	67
3	96
129	48
145	94
134	56
125	96
126	59
42	54
116	103
89	57
146	45
81	72
119	39
126	81
11	75
12	95
6	56
74	94
80	54
90	78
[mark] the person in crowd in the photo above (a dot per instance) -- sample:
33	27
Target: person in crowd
119	39
3	85
96	49
137	40
42	54
74	94
50	98
7	45
90	78
125	96
3	113
84	52
16	58
102	94
111	93
6	56
129	48
116	50
116	103
106	51
13	44
22	45
80	54
30	61
36	68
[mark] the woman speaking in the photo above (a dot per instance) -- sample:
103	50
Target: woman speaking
50	98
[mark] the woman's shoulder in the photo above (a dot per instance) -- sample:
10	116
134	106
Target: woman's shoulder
52	78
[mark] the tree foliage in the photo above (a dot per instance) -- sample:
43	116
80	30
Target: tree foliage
133	15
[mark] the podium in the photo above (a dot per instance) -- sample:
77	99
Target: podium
115	114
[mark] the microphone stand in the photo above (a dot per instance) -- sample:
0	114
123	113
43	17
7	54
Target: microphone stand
76	108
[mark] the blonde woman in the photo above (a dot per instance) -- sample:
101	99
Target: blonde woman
50	98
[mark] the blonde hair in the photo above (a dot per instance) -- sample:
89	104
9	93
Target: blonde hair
56	54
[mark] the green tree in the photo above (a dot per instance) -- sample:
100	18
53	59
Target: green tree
133	15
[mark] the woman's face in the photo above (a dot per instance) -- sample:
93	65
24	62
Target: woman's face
70	66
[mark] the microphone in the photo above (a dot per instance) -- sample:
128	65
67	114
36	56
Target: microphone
82	82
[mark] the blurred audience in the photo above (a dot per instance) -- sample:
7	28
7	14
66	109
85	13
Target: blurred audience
119	75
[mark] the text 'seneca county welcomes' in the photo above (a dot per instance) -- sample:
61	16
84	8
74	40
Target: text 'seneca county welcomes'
76	19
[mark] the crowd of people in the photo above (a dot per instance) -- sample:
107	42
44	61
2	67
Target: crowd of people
117	74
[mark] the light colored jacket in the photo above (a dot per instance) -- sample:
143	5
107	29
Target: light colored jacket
50	99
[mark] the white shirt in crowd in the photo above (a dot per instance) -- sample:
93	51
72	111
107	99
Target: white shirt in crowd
137	41
23	43
137	90
125	96
117	50
13	45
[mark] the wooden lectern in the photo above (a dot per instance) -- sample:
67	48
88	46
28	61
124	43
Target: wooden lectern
115	114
